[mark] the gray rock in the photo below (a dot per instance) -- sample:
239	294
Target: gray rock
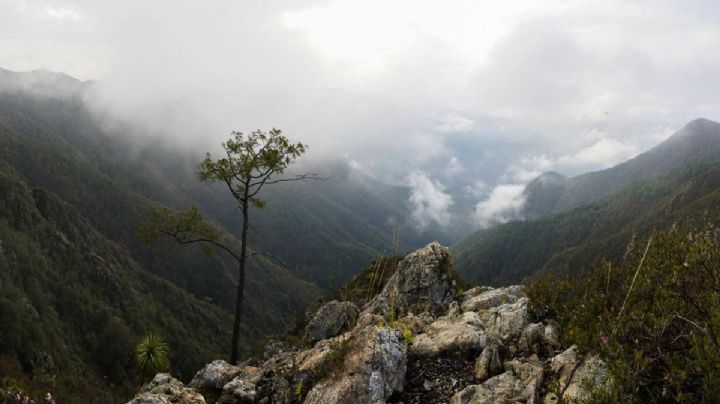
238	391
242	388
493	298
460	333
579	377
503	388
420	285
489	363
472	292
552	339
530	372
507	321
214	375
165	389
331	319
373	368
532	339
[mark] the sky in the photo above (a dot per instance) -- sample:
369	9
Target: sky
463	101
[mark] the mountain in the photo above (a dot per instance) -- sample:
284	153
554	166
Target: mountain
688	198
104	182
73	303
698	142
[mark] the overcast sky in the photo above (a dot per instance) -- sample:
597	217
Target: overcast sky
462	100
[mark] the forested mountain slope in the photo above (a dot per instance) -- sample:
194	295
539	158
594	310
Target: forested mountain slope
52	144
697	143
688	198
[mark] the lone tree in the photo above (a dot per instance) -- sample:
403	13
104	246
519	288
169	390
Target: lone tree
250	163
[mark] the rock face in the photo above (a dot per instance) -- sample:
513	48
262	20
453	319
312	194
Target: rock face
371	371
421	284
214	375
412	343
164	389
332	319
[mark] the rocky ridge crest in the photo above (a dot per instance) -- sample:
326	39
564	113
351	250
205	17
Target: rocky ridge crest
417	341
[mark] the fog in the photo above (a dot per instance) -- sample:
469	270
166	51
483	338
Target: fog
464	101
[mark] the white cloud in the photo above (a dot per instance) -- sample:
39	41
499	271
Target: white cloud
504	203
463	90
428	201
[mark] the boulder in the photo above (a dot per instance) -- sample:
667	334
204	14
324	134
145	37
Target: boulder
165	389
507	321
492	298
243	387
460	333
578	377
372	369
214	375
331	319
489	363
531	373
503	388
421	284
532	339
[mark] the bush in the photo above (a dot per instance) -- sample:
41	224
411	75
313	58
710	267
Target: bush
655	319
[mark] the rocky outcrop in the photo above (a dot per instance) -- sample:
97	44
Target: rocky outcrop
214	375
372	369
331	319
413	343
421	284
242	388
578	375
164	389
454	333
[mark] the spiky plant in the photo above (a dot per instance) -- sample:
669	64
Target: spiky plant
151	356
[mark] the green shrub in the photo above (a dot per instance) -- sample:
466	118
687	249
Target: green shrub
151	356
655	319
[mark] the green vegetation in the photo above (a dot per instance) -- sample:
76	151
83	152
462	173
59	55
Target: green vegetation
151	356
577	239
77	286
252	162
655	318
697	143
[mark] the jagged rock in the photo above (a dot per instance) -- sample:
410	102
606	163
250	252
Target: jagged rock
214	375
474	291
552	338
532	339
503	388
492	298
372	369
489	363
530	373
459	333
420	285
507	321
309	361
481	349
578	377
243	387
273	383
331	319
165	389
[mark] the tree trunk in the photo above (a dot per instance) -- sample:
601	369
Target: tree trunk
240	287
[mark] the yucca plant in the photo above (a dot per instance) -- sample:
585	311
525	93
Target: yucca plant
151	356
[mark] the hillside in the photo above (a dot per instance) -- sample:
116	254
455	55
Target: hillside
51	143
697	143
73	303
325	230
579	238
